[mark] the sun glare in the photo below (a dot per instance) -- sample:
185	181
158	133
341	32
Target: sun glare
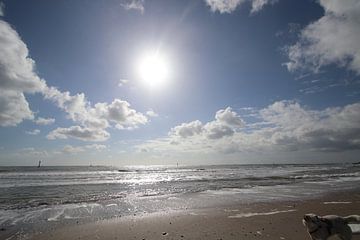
154	70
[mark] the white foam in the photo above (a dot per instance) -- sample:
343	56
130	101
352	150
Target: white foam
231	210
355	228
7	215
56	216
233	191
173	198
245	215
112	205
337	202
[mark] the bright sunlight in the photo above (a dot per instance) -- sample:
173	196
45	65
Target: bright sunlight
153	69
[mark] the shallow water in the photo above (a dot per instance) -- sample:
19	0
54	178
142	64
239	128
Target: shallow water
34	198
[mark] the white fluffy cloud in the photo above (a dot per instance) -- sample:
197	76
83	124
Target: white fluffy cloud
80	133
228	6
225	124
229	117
76	106
216	130
69	149
257	5
17	76
224	6
332	129
32	151
17	70
151	113
282	126
44	121
97	147
120	113
72	150
332	39
123	82
187	129
94	118
288	114
2	6
137	5
13	108
33	132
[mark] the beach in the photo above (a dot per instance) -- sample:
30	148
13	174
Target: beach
179	119
171	202
267	220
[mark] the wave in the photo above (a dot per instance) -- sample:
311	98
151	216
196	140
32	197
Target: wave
245	215
33	179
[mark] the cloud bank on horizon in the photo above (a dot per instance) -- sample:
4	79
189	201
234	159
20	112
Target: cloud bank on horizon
283	125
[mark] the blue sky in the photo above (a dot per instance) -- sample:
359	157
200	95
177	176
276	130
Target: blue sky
247	81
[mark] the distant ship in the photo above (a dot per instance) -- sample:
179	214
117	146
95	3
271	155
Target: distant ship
39	165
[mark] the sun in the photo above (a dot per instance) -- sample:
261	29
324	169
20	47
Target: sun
153	69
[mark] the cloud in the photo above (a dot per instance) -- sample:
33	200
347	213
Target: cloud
17	76
224	6
68	149
97	147
151	113
122	82
257	5
229	117
2	9
187	129
281	126
33	132
332	129
33	151
216	130
225	124
120	113
80	133
17	70
228	6
98	116
13	108
44	121
287	114
332	39
72	150
137	5
76	106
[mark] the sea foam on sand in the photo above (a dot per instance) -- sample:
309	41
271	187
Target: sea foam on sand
244	215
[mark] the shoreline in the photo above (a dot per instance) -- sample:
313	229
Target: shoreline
265	220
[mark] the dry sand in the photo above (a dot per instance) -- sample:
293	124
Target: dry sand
276	220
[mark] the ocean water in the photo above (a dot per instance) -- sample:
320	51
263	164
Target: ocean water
33	198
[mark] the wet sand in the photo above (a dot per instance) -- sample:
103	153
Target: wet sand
276	220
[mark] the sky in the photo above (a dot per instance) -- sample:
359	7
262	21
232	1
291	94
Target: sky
133	82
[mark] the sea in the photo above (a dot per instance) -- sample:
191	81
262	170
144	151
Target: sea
33	199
